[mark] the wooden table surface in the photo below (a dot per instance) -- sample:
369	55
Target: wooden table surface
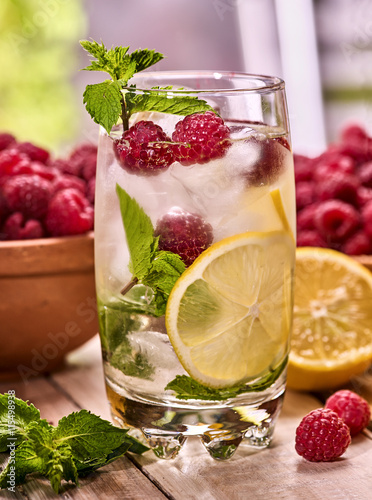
274	473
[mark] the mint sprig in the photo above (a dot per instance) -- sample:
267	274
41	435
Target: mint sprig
187	388
149	266
110	100
81	443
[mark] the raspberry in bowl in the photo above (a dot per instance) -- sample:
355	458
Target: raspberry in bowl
47	288
334	196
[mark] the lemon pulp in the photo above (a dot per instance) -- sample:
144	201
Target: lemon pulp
228	316
332	322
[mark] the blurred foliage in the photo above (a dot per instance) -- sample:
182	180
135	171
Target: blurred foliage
38	59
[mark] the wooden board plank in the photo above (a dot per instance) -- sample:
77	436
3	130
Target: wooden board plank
277	472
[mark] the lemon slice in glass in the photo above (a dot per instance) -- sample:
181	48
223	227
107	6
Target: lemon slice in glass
332	322
228	316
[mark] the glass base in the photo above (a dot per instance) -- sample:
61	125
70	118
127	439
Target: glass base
221	428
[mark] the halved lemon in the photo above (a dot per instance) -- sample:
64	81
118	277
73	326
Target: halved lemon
228	316
332	320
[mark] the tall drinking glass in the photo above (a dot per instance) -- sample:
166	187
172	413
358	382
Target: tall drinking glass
203	351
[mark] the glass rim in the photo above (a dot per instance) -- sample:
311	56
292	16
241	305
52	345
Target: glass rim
269	83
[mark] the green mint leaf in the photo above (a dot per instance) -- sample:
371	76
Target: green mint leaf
165	270
88	435
144	58
130	362
103	102
15	416
187	388
139	234
25	461
161	102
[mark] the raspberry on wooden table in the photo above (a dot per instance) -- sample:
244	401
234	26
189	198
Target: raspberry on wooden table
367	218
358	243
200	137
305	194
144	149
322	436
310	238
185	234
351	408
339	186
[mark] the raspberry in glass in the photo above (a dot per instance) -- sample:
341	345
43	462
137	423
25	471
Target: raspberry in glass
183	233
351	408
35	153
200	137
28	194
16	227
69	213
144	149
322	436
271	157
335	220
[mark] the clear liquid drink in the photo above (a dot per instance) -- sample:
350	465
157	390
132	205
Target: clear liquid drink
211	360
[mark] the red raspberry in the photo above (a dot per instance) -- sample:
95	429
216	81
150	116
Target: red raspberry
358	244
144	149
45	171
271	157
306	217
66	167
340	187
84	160
303	168
6	140
364	195
35	153
200	137
367	218
305	194
353	131
16	228
185	234
310	238
28	194
322	436
360	149
351	408
336	220
328	164
365	174
69	213
67	182
91	189
9	159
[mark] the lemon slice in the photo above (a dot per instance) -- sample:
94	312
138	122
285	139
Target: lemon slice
228	316
332	322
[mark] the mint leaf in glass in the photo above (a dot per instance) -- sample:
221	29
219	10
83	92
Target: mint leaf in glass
149	266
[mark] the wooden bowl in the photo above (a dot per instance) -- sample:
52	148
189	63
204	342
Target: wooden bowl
47	303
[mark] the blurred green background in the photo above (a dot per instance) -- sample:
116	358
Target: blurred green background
38	61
